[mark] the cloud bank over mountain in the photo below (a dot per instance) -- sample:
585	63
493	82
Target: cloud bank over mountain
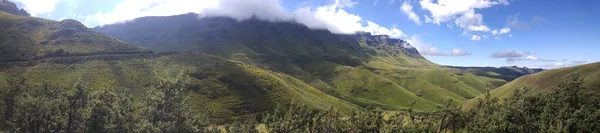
332	17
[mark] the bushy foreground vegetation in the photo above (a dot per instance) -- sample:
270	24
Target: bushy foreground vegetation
79	109
569	108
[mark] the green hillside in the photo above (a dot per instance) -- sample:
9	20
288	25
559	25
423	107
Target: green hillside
187	73
252	65
227	88
547	80
80	56
365	69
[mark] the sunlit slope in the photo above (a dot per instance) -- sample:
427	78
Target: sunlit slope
226	88
367	70
548	80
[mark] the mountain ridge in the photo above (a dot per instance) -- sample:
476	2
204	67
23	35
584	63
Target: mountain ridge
362	68
102	63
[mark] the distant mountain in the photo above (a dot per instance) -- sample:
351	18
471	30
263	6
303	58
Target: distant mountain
507	73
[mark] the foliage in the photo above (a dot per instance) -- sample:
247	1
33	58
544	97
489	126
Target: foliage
165	109
571	108
78	109
568	108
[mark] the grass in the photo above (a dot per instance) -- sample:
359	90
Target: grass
249	69
362	69
227	88
366	85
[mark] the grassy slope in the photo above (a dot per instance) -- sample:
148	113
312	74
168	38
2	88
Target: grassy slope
101	62
365	70
227	88
548	79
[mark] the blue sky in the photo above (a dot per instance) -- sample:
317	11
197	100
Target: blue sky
532	33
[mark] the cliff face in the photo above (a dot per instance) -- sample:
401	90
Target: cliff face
384	40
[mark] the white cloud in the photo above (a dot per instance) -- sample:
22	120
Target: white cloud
407	9
345	3
269	10
37	7
332	17
446	10
478	28
459	52
504	30
531	58
378	30
561	64
462	12
430	50
475	37
514	22
131	9
424	48
508	54
470	21
497	38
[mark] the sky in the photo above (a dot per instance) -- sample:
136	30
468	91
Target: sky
533	33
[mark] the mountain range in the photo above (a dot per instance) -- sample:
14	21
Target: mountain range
365	69
245	67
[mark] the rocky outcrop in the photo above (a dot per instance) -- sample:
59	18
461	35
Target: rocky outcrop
383	40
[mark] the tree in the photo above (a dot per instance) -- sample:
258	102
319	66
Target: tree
9	98
115	112
78	109
166	111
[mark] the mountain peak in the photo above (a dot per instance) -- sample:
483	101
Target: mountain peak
71	24
10	7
